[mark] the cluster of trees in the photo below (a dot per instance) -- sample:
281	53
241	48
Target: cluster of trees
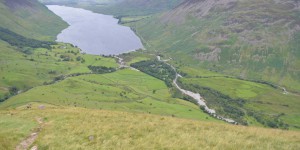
81	59
12	91
62	77
269	121
66	58
101	69
234	108
21	41
223	104
156	69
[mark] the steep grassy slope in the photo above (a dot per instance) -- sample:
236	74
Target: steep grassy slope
247	38
30	18
77	128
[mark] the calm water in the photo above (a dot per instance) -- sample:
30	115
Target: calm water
95	33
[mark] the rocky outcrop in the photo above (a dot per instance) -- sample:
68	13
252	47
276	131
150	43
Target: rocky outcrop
198	8
213	56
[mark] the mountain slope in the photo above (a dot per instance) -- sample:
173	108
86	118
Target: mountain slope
30	18
23	27
247	38
140	7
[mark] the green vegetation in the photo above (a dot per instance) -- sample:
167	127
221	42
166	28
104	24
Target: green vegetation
229	39
232	56
136	56
126	90
101	69
21	41
157	69
14	129
26	70
130	19
102	129
239	60
244	100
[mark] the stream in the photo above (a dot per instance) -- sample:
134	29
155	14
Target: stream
200	100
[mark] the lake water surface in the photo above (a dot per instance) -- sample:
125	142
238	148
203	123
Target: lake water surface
95	33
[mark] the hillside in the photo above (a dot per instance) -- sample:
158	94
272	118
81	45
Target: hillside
30	18
77	128
120	7
59	74
239	55
247	38
79	2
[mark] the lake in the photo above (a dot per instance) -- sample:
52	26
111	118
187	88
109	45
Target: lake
95	33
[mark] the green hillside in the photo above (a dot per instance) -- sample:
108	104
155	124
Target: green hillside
247	38
24	68
240	55
30	18
238	59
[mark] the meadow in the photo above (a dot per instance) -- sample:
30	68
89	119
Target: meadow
126	90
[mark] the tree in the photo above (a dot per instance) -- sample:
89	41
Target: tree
13	90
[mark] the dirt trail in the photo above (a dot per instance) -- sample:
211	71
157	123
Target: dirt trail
26	143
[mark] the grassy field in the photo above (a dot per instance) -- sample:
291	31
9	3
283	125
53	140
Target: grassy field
29	70
234	87
78	128
126	90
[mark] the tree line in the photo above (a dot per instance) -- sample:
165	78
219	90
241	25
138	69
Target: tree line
156	69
